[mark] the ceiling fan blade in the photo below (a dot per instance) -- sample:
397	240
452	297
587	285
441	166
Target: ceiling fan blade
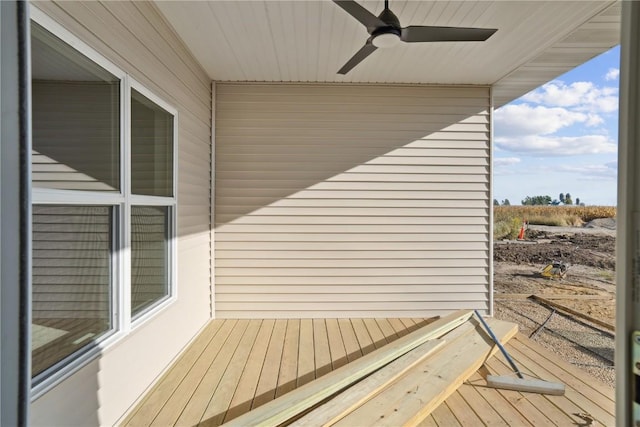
415	34
364	51
367	18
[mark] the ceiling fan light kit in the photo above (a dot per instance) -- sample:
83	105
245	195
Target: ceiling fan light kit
386	32
386	40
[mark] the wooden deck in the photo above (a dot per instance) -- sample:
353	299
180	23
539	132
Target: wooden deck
236	365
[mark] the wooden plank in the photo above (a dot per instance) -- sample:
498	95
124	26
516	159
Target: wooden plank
362	334
398	326
165	388
569	310
289	361
376	334
408	323
488	413
281	410
350	340
431	422
266	390
503	406
441	416
321	348
219	404
553	296
578	378
462	411
306	356
410	399
387	330
361	392
193	411
536	408
248	383
336	344
171	410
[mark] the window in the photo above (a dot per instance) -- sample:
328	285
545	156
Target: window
104	203
72	274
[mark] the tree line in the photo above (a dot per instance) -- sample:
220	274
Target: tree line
563	199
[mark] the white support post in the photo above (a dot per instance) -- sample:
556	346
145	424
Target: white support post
15	214
628	235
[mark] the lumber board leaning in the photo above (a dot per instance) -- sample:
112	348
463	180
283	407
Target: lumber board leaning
552	297
359	393
356	395
413	397
576	313
291	404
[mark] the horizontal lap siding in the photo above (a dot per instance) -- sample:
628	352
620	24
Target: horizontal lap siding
351	201
136	38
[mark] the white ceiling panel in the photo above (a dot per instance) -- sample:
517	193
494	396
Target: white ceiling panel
308	41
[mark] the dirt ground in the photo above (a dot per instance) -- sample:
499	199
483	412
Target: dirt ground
588	288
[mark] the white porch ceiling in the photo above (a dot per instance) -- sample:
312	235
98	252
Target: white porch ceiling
308	41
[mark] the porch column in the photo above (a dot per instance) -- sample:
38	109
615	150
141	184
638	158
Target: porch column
15	142
628	236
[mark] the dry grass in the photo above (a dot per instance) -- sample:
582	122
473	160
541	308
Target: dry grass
507	220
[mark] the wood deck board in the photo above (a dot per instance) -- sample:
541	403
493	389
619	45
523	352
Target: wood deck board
386	328
248	383
441	416
580	392
162	392
306	354
336	344
398	326
219	404
172	409
321	348
377	335
205	390
534	407
489	413
268	380
351	344
464	414
236	365
289	362
362	335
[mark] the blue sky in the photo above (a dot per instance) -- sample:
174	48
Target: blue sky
561	137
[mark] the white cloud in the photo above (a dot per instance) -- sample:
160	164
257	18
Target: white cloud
612	74
523	119
607	170
505	161
581	96
550	146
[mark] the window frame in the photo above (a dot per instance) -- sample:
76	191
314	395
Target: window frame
121	202
144	200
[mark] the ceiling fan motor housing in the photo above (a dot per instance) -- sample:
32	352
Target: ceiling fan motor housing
389	35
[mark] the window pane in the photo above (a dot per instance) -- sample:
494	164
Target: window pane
151	148
149	256
71	280
76	118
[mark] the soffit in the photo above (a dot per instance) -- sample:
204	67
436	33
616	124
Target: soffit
308	41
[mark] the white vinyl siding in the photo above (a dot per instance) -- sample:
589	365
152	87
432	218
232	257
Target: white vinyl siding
135	37
351	200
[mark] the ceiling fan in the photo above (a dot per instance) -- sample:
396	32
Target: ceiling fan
386	32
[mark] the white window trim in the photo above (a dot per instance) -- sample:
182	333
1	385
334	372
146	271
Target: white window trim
123	324
141	200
